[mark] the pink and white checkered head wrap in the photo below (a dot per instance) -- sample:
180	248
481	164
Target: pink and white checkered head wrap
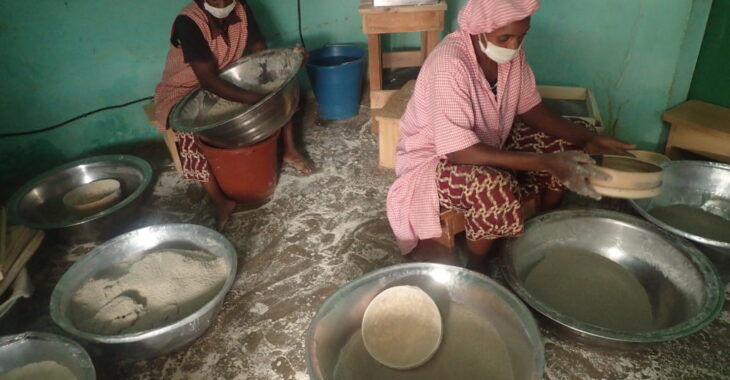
485	16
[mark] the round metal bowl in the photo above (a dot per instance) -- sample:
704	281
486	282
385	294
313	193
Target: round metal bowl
684	290
39	203
273	68
341	314
699	184
130	247
32	347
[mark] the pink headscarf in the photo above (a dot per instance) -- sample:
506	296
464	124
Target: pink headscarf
485	16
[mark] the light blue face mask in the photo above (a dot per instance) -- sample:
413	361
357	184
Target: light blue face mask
219	12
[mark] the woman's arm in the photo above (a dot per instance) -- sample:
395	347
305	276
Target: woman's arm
569	167
207	73
543	119
482	154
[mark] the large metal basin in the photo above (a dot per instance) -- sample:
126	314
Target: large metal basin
132	246
341	314
32	347
38	204
684	290
273	71
700	184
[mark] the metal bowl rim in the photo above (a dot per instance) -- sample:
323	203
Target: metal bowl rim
75	349
711	308
529	324
68	326
693	237
253	141
177	108
14	201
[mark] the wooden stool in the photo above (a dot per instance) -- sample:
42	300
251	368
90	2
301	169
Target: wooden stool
700	128
427	19
388	123
169	135
452	223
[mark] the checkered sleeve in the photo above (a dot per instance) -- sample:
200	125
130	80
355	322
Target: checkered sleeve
450	109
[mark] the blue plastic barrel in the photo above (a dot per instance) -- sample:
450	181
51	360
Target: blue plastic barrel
335	72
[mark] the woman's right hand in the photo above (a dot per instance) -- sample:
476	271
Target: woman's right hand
573	170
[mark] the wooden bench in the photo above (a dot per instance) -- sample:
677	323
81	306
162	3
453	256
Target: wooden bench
699	127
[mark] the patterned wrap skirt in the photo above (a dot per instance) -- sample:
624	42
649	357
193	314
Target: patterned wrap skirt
491	198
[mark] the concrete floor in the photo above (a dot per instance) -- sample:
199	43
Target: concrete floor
318	233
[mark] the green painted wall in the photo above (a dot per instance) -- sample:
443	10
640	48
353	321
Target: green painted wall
62	58
711	81
638	56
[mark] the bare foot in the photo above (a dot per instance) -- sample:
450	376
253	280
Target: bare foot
299	162
223	213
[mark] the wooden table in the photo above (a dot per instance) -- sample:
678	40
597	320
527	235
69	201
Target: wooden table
427	19
700	128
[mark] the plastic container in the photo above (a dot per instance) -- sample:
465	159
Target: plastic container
248	174
335	72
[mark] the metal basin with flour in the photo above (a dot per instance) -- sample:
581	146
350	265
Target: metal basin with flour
683	291
128	248
34	347
233	125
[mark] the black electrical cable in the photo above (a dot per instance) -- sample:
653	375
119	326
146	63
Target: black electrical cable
299	22
301	39
83	115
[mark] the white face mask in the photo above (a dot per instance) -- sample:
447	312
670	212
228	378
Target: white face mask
497	53
219	12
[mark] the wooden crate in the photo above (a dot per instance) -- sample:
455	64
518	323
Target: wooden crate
388	122
573	102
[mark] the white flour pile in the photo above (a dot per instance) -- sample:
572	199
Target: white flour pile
222	110
161	288
45	370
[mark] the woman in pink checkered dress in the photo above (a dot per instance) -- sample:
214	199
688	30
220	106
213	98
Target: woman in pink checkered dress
463	148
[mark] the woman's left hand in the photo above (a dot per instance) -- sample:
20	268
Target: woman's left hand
607	145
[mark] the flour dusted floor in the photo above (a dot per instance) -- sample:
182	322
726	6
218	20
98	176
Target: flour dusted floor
317	234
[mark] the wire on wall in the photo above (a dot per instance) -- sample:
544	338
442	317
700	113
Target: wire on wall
299	22
301	39
83	115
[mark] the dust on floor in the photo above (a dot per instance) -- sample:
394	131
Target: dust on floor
318	233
